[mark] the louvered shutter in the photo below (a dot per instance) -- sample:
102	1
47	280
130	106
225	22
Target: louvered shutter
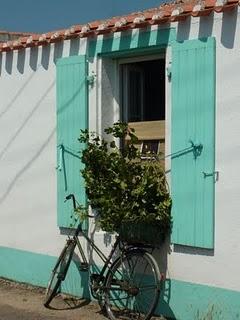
72	115
193	124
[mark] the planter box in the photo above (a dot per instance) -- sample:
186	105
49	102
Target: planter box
142	233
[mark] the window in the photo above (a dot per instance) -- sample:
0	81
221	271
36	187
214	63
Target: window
143	101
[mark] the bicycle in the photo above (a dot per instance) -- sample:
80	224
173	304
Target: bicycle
126	288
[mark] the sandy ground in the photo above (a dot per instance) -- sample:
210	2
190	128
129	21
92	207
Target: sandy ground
23	302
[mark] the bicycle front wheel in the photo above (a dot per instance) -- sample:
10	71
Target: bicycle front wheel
132	287
59	272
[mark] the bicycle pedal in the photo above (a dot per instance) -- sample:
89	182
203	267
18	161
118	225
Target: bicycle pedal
84	266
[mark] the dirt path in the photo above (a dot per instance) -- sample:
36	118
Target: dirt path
23	302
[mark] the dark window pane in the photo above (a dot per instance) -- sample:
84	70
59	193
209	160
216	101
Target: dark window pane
144	91
135	96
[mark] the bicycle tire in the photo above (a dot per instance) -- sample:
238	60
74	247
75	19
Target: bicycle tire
59	272
128	279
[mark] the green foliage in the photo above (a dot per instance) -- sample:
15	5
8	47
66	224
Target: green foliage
120	185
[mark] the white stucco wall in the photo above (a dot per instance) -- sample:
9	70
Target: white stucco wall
28	150
28	147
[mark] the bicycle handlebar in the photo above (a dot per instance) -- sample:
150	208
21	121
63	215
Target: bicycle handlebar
71	196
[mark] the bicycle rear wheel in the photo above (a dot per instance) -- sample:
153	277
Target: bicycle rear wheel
132	287
59	272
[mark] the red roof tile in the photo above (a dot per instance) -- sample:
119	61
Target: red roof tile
165	13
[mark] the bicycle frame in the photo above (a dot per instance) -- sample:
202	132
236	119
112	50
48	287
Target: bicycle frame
79	230
106	260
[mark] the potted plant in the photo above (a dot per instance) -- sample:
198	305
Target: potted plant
131	195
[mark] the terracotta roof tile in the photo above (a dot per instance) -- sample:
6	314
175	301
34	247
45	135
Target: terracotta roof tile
75	29
225	5
165	13
94	24
111	22
23	40
86	31
102	28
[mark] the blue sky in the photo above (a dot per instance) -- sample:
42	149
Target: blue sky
48	15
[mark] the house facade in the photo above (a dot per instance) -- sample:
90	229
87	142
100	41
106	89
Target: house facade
172	73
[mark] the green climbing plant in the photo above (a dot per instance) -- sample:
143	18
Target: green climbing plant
122	186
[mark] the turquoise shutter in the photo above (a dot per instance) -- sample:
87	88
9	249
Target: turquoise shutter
71	117
193	124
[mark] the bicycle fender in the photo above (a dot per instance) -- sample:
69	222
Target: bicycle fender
134	249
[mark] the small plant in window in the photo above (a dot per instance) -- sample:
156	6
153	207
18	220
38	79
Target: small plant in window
123	188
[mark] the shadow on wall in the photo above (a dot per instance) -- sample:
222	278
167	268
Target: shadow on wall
21	65
161	255
20	92
57	51
229	23
141	40
74	47
205	26
26	120
193	250
45	58
38	57
163	307
21	61
9	62
228	28
183	29
33	61
76	281
27	166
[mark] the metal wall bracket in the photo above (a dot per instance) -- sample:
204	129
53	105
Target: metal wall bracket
91	78
214	174
197	148
169	71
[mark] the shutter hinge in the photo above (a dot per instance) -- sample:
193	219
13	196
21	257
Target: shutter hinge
169	71
60	159
91	78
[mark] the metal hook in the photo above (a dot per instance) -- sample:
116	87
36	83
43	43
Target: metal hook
197	148
211	174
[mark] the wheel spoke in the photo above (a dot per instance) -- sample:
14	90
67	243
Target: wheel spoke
132	287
